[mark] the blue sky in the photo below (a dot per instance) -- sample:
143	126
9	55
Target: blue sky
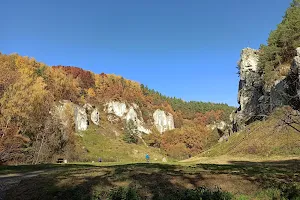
188	49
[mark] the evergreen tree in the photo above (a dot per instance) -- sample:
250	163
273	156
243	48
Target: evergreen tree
281	45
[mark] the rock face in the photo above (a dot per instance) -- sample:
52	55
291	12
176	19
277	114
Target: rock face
163	121
293	81
257	101
81	119
95	117
218	125
64	110
132	115
250	88
88	106
70	113
224	129
120	110
116	108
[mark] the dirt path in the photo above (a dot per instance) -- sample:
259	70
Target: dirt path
9	180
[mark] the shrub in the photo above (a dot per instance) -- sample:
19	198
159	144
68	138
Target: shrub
205	194
185	142
153	139
130	133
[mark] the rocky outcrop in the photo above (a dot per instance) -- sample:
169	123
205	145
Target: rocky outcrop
132	115
95	117
120	110
64	111
117	108
218	125
81	119
224	130
70	114
163	121
293	81
256	100
88	107
250	89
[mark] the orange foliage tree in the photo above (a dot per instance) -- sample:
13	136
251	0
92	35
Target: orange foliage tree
208	117
185	142
85	78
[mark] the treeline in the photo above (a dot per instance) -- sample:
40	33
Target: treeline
190	109
275	57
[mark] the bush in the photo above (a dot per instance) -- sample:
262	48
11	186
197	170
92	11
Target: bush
153	139
290	191
130	133
205	194
185	142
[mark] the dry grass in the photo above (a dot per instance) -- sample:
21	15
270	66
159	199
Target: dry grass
227	159
284	69
158	181
262	139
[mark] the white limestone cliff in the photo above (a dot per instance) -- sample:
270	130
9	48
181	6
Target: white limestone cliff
116	108
70	113
163	121
81	119
95	117
120	109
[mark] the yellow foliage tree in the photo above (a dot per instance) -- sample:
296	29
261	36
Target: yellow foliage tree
91	92
23	101
62	86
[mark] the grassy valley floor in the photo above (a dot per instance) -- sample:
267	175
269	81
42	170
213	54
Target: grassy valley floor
243	179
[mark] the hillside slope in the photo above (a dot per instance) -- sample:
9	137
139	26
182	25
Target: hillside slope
43	109
272	137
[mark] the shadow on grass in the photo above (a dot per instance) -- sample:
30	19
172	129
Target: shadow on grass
283	175
15	169
152	181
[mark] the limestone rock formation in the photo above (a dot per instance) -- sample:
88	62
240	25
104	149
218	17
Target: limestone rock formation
224	129
116	108
120	110
81	119
88	106
256	100
64	111
95	117
70	113
132	115
163	121
293	80
218	125
250	88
